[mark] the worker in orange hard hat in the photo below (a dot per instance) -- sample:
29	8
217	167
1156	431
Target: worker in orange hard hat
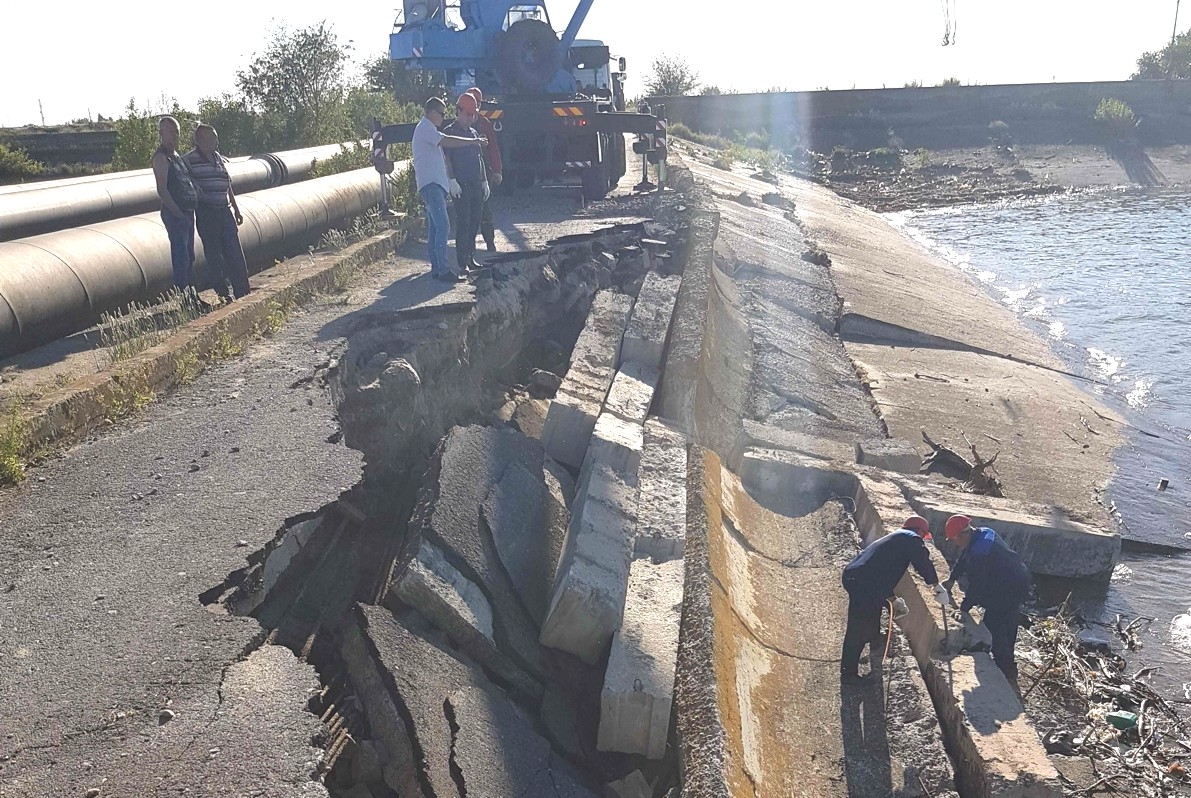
997	580
492	160
870	579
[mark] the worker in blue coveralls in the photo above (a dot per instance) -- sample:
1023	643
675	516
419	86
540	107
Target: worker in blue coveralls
870	579
997	580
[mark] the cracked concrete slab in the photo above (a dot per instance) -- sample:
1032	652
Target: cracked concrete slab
517	513
468	464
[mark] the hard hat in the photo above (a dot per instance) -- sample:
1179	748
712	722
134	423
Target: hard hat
955	525
467	102
475	92
918	524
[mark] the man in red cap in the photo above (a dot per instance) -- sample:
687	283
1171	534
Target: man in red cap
870	579
466	168
483	126
997	580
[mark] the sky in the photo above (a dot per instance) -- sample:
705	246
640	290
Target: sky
83	59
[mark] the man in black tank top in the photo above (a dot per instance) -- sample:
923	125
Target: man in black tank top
179	197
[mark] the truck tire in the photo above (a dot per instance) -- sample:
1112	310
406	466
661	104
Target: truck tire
595	182
527	56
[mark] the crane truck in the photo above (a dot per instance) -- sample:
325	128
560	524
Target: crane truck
556	103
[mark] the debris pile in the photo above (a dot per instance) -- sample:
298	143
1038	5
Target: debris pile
1134	740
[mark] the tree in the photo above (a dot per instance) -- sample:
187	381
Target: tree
1176	61
137	137
301	77
672	77
405	85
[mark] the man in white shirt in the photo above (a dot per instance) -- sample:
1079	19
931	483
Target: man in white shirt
430	170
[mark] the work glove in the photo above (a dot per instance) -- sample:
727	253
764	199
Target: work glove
942	596
900	610
455	189
496	179
487	191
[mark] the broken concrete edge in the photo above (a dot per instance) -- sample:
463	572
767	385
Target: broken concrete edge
69	414
699	724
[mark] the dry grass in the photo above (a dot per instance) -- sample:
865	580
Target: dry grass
142	325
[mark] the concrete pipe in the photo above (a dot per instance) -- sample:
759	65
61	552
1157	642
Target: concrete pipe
33	209
58	283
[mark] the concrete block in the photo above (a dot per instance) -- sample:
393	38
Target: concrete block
1049	543
599	343
998	753
569	424
615	444
592	575
645	338
631	393
661	509
638	689
572	415
888	454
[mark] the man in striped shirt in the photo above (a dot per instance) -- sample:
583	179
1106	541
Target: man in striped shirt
218	217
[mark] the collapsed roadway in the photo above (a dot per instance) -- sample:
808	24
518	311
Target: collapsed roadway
575	529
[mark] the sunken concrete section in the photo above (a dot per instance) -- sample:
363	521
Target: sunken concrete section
638	693
573	412
645	338
1048	541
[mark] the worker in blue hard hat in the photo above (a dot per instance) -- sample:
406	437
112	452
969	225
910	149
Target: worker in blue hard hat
870	579
997	580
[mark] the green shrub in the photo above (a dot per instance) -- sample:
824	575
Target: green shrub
16	165
350	157
951	82
136	133
1115	116
886	157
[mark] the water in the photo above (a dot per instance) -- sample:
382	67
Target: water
1106	278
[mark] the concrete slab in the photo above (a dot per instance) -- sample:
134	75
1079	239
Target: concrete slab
496	751
633	785
516	512
1048	542
638	692
468	463
589	590
645	337
661	509
888	454
632	392
458	606
1033	418
998	752
569	424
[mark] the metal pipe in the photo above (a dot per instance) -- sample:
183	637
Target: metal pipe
34	209
58	283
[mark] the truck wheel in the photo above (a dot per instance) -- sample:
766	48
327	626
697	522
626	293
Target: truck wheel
595	182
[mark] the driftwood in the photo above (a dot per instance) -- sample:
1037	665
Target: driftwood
1146	752
978	476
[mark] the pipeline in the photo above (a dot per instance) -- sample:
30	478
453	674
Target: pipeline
36	208
58	283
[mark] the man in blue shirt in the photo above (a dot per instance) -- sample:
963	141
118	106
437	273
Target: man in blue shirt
997	580
870	579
